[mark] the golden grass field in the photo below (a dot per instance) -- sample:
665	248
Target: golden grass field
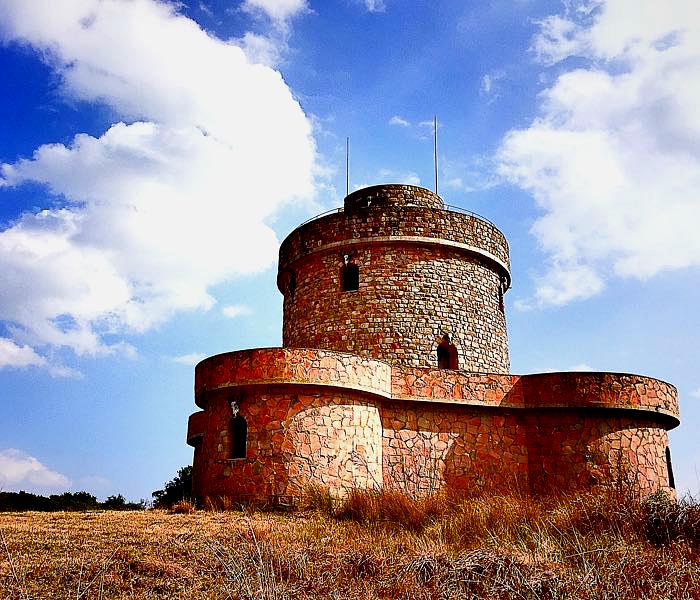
372	545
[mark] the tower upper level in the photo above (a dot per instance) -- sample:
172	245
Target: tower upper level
391	273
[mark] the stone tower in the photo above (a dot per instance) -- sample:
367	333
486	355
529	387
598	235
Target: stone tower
392	273
394	372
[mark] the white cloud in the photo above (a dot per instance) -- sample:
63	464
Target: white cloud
581	367
277	10
563	284
12	355
236	310
613	160
558	38
374	5
189	359
695	393
397	120
20	471
261	49
161	207
15	356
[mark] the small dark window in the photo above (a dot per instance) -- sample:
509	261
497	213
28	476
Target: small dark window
239	436
447	357
351	277
671	480
502	289
292	283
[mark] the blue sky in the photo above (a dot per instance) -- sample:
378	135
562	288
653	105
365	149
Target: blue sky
154	154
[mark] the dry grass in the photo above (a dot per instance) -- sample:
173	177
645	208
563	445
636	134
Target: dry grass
371	545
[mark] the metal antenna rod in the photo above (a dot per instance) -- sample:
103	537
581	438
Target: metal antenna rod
347	166
435	152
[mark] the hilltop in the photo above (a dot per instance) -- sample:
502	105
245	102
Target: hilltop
370	546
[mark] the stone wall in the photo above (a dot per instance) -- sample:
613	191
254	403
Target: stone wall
573	450
397	220
392	194
423	272
294	437
408	297
428	447
345	421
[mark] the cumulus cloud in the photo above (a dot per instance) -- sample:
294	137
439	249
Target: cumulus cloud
20	471
270	48
262	49
13	355
166	203
613	159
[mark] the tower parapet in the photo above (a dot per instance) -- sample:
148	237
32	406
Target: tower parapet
390	274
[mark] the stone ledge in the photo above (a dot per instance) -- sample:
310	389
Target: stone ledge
413	239
330	369
292	366
395	221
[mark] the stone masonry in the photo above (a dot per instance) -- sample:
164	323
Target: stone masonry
355	398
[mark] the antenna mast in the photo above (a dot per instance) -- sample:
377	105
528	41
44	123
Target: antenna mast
435	152
347	166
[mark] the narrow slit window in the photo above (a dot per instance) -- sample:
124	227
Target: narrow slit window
669	467
351	277
239	436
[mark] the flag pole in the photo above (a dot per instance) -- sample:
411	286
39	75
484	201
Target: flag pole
435	152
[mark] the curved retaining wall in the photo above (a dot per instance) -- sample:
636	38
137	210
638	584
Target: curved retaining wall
424	271
345	421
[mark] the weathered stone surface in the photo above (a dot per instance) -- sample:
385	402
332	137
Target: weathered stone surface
355	399
424	271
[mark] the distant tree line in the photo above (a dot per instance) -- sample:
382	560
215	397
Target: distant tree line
176	490
75	501
179	488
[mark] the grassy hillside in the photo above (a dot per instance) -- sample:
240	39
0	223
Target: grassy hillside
371	546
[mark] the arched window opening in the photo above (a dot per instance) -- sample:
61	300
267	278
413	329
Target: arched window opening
447	356
239	432
671	480
351	277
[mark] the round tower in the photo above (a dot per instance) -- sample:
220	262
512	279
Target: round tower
398	276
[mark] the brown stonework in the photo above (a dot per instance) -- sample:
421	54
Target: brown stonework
354	399
424	271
